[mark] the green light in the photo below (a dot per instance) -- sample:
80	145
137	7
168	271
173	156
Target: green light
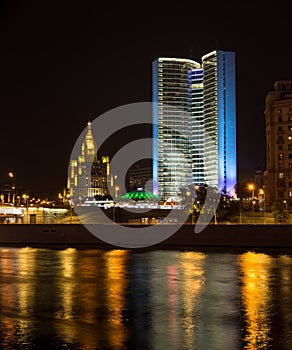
139	195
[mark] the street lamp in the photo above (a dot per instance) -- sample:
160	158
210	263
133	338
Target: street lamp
25	198
251	187
12	176
285	202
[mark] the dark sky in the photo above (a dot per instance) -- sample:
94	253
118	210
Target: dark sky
63	61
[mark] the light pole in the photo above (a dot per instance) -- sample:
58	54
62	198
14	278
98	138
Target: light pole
25	198
285	202
251	187
12	176
262	193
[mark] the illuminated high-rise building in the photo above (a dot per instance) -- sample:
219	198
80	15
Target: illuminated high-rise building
89	173
194	123
220	120
278	174
172	161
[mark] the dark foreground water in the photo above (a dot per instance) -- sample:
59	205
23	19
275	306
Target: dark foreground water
93	299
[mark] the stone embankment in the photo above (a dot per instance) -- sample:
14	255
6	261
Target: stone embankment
76	235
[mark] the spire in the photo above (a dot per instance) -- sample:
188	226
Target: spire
89	141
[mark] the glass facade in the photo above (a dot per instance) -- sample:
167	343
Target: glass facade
220	120
197	125
172	132
194	123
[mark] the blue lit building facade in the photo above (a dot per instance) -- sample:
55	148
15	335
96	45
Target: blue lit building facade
220	120
194	123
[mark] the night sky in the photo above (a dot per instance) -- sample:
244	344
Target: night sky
64	63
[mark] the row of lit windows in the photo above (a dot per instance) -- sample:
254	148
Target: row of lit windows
281	147
281	195
281	139
289	156
281	119
282	175
280	128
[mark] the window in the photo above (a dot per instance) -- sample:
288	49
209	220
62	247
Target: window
280	148
281	175
281	156
290	156
280	128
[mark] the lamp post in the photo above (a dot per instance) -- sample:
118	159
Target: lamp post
251	187
262	194
285	202
25	198
12	176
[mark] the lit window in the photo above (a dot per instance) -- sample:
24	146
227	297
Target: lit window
281	175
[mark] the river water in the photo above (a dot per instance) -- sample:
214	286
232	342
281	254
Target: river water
159	299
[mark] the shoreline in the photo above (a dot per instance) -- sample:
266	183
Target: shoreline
267	236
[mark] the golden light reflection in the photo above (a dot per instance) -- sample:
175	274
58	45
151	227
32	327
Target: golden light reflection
8	293
285	292
192	270
115	294
26	289
173	302
257	299
82	281
67	286
26	272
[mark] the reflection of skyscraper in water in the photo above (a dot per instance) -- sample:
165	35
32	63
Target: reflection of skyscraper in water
176	300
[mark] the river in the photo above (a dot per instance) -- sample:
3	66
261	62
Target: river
156	299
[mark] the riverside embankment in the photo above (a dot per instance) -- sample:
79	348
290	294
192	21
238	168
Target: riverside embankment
221	235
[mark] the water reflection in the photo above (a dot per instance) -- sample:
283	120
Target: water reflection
284	293
93	299
193	279
257	299
115	297
175	298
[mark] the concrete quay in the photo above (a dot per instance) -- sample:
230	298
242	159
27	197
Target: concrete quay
221	235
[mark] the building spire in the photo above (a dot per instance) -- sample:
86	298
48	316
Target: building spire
89	141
